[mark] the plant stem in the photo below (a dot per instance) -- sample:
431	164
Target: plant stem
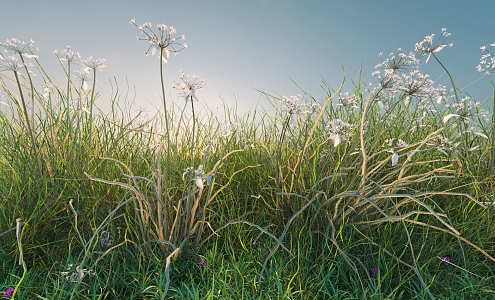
91	101
28	122
450	76
193	131
165	113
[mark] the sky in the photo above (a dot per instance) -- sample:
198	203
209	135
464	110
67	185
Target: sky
244	48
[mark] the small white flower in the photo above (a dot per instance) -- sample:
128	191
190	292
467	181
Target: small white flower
189	85
164	42
93	64
198	179
83	76
19	47
427	47
487	61
339	131
67	55
394	158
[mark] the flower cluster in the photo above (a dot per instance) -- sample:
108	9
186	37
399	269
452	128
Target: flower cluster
392	66
8	292
295	107
487	61
189	85
399	72
349	100
199	176
399	144
165	42
427	46
19	47
67	55
15	52
76	275
339	131
93	64
444	144
12	63
84	77
105	240
467	109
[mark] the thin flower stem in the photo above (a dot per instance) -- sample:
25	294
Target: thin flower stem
461	120
193	130
28	122
68	95
493	135
91	101
450	76
165	198
32	87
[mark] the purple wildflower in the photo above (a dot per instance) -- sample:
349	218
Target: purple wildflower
373	271
445	259
202	262
8	293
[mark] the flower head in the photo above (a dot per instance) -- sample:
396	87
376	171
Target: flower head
8	293
93	64
487	61
19	47
12	63
339	131
427	46
445	260
202	262
399	74
373	271
83	76
349	100
164	41
105	239
75	275
199	176
67	55
189	85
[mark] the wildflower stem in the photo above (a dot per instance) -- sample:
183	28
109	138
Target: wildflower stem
91	101
493	135
165	200
32	87
450	76
461	120
19	229
68	95
28	122
193	130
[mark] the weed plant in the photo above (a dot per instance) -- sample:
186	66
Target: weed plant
384	192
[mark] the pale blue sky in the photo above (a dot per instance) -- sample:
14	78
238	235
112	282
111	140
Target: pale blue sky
241	46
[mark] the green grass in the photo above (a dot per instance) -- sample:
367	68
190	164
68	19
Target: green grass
289	213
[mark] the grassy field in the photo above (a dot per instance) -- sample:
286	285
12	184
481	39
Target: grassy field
385	192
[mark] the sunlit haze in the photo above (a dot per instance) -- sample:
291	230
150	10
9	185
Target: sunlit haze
243	47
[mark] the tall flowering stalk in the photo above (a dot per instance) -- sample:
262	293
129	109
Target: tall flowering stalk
94	65
69	56
428	47
165	42
15	50
187	89
487	66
